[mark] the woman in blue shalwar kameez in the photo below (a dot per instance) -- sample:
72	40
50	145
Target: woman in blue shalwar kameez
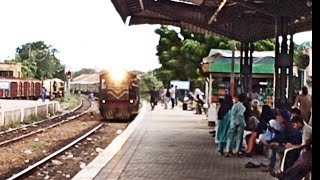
224	118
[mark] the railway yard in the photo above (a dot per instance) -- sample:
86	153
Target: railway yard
56	148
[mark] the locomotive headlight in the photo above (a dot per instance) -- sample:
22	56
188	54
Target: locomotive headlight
103	101
117	74
131	101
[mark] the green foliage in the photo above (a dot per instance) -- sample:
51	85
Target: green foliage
180	54
147	81
83	71
69	102
265	45
31	119
38	60
38	146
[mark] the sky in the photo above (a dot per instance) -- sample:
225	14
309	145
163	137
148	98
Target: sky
87	33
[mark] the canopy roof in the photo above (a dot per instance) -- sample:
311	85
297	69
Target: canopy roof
86	79
242	20
260	65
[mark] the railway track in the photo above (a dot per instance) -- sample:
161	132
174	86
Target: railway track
41	126
54	154
59	152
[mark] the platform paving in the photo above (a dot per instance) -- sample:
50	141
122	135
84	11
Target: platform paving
174	144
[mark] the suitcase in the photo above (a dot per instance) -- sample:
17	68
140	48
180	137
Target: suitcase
184	106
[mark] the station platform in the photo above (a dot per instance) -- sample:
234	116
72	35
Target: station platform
9	104
12	111
169	144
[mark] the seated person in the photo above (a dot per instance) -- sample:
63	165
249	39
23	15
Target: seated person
295	112
266	115
301	168
292	152
273	128
288	134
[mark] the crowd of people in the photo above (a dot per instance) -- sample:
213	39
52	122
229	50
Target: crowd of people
169	97
243	130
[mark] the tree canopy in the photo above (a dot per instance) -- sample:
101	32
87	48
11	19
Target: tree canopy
39	61
147	81
84	71
180	53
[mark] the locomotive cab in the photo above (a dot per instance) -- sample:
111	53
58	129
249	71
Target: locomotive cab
118	95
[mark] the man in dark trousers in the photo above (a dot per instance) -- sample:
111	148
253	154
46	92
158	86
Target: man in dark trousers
153	97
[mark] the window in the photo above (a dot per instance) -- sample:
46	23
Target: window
6	73
103	84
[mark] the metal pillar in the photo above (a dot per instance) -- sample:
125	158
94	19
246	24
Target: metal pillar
250	68
241	68
232	71
246	66
284	63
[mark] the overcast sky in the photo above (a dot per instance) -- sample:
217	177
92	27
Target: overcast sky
87	33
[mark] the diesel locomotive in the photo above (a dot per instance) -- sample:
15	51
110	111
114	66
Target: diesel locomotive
119	96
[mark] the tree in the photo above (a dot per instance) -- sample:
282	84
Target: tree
38	60
180	54
84	71
147	81
180	57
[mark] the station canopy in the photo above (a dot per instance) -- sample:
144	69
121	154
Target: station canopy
241	20
262	62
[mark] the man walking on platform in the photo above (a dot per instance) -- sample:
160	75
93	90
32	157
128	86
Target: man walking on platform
176	95
172	95
153	97
304	103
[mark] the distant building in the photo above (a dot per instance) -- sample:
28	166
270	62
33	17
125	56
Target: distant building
85	83
11	69
218	65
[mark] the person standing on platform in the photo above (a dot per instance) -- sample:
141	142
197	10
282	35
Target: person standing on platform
237	125
224	118
172	91
153	97
166	97
176	99
43	94
304	103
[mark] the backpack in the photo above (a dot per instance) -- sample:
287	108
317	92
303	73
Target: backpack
168	93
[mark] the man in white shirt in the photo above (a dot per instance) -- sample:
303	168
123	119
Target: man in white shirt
172	91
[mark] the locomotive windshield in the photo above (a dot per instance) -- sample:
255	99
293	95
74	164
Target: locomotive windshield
115	88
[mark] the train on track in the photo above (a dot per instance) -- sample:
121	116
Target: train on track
85	84
55	87
27	88
119	95
19	88
118	92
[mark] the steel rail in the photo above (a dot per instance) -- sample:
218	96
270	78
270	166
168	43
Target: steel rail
46	128
55	153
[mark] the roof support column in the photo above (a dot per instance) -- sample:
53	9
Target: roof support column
283	63
246	66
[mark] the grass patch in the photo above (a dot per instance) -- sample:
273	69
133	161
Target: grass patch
31	119
10	126
69	102
2	128
14	125
38	146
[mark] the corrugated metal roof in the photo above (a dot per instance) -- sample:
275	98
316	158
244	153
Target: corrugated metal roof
86	79
264	65
228	53
246	21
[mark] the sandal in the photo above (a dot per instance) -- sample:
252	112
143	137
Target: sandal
251	165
